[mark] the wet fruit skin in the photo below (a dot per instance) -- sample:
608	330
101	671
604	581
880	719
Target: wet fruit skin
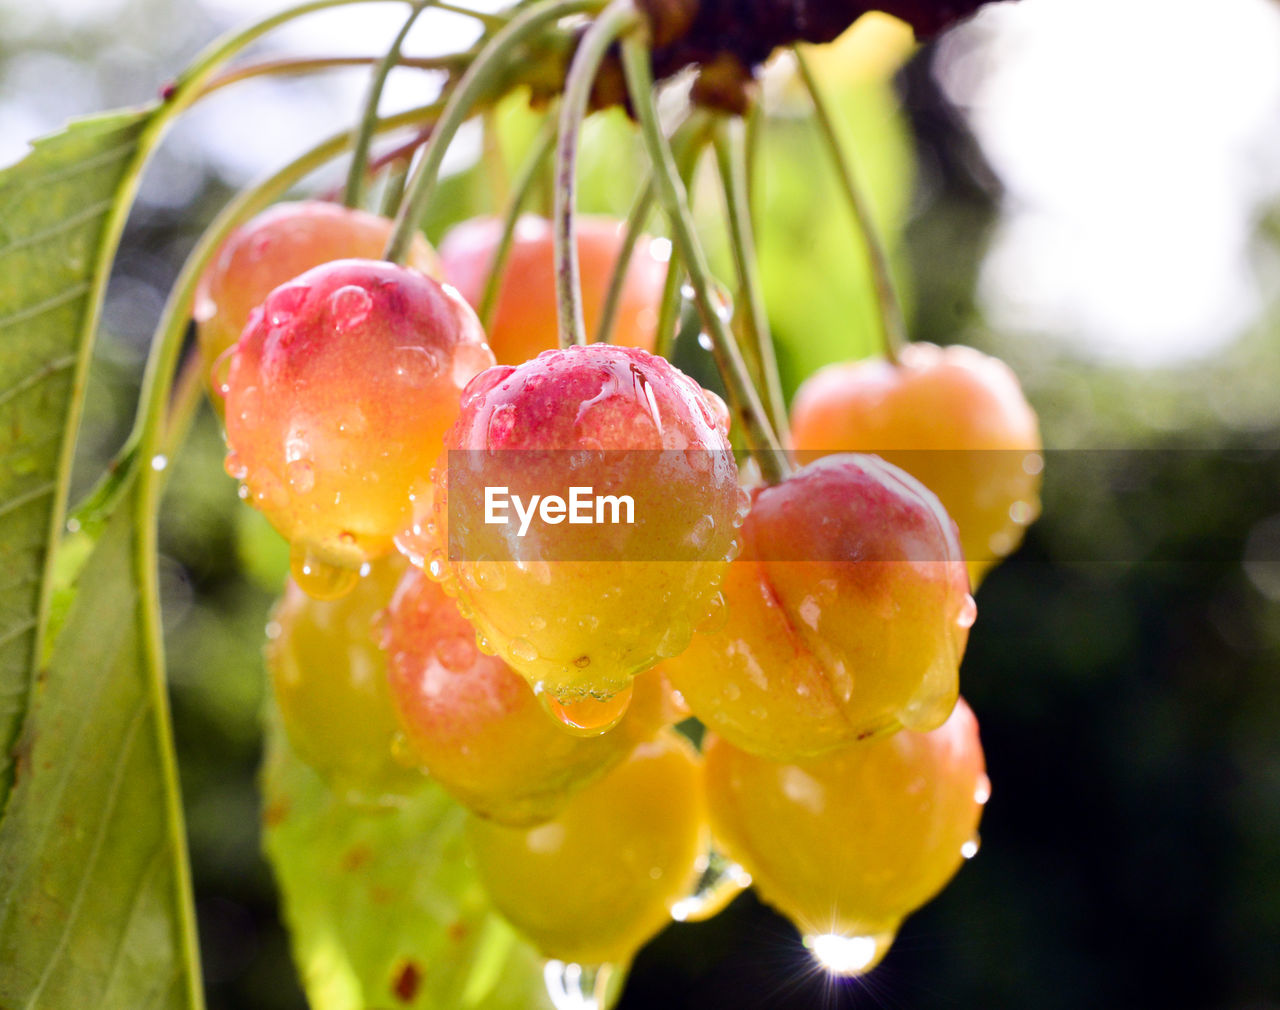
852	842
581	627
339	391
953	417
329	676
283	241
524	318
476	726
596	883
847	615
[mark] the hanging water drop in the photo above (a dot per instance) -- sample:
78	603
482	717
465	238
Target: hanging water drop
970	848
317	578
575	986
589	716
849	955
720	880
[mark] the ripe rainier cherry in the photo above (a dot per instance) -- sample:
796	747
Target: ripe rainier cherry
952	417
277	245
847	615
524	318
848	844
578	610
339	391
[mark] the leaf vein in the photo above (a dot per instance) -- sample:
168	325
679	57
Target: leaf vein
39	375
35	494
65	225
48	305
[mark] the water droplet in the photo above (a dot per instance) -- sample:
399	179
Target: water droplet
704	341
502	423
576	987
849	955
1022	512
317	578
537	623
301	475
220	372
457	653
349	306
982	791
235	467
489	575
249	403
720	880
243	492
416	366
283	303
676	639
702	532
970	848
717	615
968	612
589	716
524	650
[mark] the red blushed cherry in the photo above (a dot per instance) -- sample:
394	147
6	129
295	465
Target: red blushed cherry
274	247
952	417
339	391
847	615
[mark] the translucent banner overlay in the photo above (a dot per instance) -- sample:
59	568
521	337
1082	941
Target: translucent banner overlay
687	505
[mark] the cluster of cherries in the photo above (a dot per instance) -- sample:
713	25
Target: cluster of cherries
816	631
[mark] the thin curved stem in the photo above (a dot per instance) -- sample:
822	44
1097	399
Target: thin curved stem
893	328
687	156
485	73
618	18
636	218
354	191
294	65
524	182
744	400
731	157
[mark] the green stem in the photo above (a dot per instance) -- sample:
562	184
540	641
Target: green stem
731	150
529	172
488	71
893	328
393	191
354	191
636	219
293	65
687	157
744	400
618	18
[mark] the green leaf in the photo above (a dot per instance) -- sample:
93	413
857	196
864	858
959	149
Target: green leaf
92	860
383	910
60	214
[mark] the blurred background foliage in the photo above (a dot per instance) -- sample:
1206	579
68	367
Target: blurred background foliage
1086	189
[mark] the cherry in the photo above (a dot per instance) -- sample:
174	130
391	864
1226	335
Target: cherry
339	391
524	319
951	416
847	615
848	844
579	610
477	727
594	884
274	247
330	680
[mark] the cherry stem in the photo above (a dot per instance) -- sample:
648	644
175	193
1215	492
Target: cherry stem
636	219
292	65
490	71
893	328
687	156
523	186
620	17
731	157
354	192
743	397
